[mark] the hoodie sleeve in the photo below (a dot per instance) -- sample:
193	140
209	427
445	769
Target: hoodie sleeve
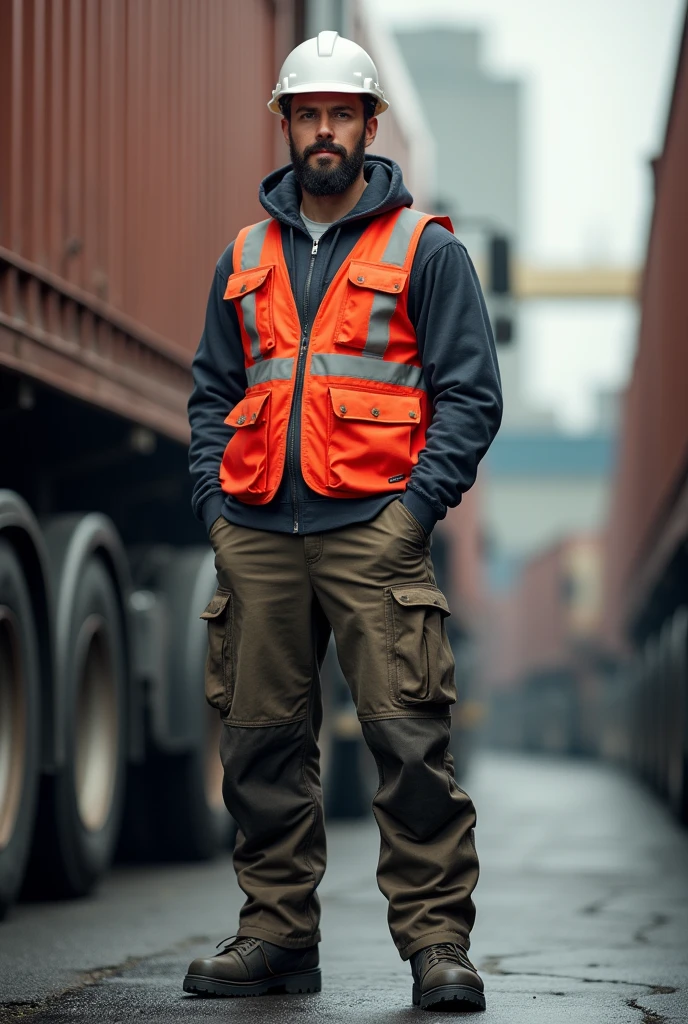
457	349
219	380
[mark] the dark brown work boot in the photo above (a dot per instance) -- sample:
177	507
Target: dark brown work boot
443	974
253	967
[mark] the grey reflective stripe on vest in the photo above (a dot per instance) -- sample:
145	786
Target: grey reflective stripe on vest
323	364
384	304
250	258
270	369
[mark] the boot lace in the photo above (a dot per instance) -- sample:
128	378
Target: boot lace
444	952
240	944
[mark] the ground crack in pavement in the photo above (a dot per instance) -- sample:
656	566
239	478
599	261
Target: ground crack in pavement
492	965
22	1008
649	1016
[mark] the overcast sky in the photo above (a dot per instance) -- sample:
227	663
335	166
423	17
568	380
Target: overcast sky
598	76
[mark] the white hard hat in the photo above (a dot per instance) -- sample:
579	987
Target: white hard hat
328	63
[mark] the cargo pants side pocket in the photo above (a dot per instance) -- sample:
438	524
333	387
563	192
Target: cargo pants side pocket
219	665
421	663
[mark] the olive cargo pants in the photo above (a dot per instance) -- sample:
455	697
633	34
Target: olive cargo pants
269	623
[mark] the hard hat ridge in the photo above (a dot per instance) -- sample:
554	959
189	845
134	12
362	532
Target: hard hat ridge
328	63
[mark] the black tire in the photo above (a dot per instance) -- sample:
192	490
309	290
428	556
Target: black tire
186	818
20	709
677	732
185	790
81	806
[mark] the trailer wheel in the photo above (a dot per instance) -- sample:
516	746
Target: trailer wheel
81	805
677	731
192	822
188	818
19	724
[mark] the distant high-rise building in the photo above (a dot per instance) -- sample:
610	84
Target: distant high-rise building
476	119
540	485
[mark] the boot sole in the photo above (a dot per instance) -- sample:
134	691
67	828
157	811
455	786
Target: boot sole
455	997
281	984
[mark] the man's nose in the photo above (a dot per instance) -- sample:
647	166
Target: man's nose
325	129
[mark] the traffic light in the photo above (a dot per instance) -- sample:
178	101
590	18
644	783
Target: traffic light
500	272
503	330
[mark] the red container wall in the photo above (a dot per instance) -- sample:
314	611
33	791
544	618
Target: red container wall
133	136
654	451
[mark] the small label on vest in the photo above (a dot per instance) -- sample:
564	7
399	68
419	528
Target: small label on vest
396	479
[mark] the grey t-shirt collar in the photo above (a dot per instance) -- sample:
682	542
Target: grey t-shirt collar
315	227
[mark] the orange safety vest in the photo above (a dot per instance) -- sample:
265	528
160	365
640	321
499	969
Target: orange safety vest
365	409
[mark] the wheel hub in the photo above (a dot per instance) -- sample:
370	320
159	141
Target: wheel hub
97	726
12	725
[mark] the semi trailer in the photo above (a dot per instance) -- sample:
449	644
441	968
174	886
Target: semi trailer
132	139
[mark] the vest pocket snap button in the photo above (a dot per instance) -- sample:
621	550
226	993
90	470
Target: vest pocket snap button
242	289
396	286
342	408
360	279
242	419
375	412
412	414
254	417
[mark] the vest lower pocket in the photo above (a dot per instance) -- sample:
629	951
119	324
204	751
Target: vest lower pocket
219	672
421	663
244	469
369	440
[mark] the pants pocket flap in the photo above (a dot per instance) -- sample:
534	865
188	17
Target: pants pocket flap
217	605
410	594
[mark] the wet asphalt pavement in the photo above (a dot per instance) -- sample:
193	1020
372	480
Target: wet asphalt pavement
582	918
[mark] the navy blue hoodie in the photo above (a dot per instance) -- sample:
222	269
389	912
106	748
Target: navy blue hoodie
455	342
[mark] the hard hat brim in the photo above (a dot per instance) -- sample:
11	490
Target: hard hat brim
274	106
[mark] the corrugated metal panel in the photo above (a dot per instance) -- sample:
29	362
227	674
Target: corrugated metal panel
133	136
654	454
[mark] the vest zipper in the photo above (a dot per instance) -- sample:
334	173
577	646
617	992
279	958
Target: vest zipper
298	386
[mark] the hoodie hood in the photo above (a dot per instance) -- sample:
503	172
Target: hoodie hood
280	193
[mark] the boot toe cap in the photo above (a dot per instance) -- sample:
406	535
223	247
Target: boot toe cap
216	967
440	976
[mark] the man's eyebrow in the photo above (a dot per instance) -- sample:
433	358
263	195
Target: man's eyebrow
309	110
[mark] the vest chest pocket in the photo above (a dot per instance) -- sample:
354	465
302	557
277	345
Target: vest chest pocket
244	469
369	440
372	293
420	659
251	291
219	670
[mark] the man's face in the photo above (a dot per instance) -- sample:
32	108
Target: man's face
327	140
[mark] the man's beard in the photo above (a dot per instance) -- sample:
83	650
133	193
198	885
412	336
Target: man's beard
329	180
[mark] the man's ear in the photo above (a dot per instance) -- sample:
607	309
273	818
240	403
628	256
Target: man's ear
371	131
285	129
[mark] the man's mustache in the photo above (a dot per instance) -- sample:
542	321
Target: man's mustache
324	147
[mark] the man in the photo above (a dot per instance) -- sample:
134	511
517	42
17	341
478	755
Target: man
346	387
